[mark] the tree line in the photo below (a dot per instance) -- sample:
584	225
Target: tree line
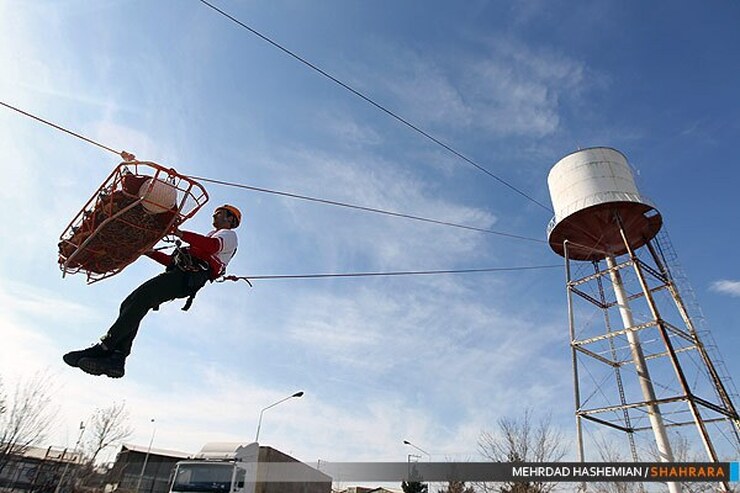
28	415
521	439
526	439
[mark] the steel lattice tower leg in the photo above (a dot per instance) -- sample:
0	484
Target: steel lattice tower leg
651	279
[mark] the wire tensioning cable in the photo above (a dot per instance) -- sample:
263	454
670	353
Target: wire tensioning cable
377	105
364	208
385	274
125	155
129	157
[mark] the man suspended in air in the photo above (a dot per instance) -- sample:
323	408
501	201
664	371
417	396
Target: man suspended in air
187	271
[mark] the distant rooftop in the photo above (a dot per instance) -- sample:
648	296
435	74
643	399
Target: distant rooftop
52	453
157	451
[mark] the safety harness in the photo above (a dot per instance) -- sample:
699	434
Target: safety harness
197	270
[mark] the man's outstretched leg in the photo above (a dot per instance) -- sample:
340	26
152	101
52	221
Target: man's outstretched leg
109	356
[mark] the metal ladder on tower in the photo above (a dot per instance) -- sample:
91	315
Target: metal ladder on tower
678	275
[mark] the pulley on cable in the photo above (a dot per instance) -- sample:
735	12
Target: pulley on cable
132	210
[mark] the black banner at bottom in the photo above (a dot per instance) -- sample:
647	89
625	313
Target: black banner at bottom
511	472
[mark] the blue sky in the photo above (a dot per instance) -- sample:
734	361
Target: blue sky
434	360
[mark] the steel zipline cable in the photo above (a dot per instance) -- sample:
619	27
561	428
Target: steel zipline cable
388	274
377	105
364	208
123	154
127	156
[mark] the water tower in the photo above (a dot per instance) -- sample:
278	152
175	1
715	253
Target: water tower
651	373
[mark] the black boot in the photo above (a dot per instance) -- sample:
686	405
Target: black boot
111	365
95	351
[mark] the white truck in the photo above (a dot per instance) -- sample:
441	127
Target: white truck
235	468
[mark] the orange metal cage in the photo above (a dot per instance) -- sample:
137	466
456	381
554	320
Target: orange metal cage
124	218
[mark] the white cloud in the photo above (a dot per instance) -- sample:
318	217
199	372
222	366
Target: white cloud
380	240
28	301
727	287
347	131
124	138
510	90
426	92
517	89
436	341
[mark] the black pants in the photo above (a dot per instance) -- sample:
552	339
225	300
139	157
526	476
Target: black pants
172	284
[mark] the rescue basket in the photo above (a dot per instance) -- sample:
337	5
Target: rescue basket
134	208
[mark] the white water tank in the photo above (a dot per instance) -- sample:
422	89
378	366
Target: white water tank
589	188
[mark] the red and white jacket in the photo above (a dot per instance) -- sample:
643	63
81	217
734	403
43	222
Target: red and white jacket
216	248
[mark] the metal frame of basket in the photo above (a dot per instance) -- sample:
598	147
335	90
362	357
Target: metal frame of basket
115	227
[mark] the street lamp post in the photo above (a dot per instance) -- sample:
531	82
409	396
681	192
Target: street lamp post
406	442
259	423
75	457
412	469
146	459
